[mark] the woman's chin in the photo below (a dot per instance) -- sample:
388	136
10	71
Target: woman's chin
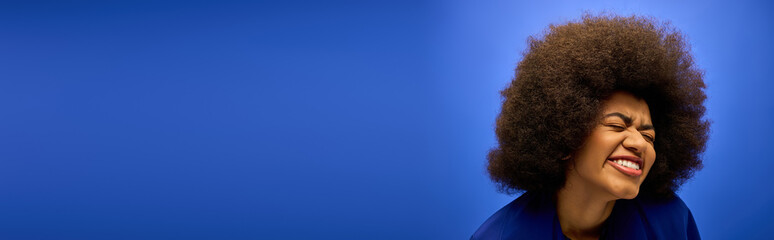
629	196
625	192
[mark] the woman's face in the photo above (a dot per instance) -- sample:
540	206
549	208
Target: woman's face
618	154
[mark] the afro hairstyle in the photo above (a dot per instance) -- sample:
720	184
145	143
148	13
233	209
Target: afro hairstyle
556	96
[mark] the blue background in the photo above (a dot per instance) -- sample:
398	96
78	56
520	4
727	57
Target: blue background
334	120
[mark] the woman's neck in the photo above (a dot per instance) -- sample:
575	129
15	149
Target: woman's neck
581	212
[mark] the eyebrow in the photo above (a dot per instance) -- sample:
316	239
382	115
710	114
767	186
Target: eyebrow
629	121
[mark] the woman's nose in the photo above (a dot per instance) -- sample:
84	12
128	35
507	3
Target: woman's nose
635	142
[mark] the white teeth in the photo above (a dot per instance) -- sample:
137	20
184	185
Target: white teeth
628	164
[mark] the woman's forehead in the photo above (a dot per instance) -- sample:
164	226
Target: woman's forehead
626	104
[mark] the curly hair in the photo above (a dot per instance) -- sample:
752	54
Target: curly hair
556	96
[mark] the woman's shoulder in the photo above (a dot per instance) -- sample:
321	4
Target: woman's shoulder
530	216
653	218
669	206
668	216
493	227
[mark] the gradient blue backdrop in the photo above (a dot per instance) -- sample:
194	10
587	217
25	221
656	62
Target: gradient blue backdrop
328	120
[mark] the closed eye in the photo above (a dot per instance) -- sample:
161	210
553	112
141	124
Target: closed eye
617	127
649	137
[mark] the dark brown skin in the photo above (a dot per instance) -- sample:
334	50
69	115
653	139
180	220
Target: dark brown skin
555	100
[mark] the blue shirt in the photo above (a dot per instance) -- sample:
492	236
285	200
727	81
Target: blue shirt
533	216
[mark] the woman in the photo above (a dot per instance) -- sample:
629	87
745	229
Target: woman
601	125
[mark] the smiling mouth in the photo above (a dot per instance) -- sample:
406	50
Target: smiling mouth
626	166
627	163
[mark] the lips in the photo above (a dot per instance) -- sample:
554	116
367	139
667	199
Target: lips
629	165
